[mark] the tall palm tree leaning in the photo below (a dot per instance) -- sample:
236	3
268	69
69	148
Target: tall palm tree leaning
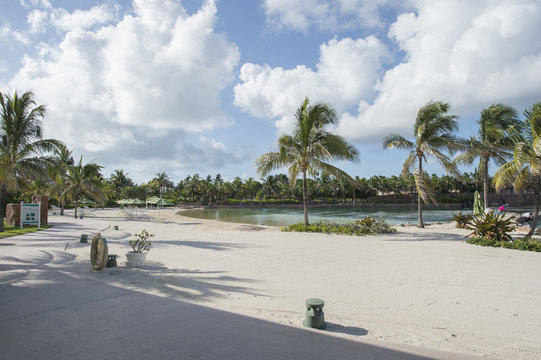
433	132
83	179
23	151
309	149
493	141
525	168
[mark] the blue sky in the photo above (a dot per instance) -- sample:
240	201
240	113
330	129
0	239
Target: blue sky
208	86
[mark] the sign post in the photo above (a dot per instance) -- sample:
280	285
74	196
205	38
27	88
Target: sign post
30	214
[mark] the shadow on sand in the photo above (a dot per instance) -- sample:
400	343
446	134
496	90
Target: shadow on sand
51	318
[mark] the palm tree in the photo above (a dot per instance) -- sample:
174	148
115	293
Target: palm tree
525	168
38	186
23	151
492	142
308	148
251	188
162	182
63	159
218	183
83	179
433	132
119	180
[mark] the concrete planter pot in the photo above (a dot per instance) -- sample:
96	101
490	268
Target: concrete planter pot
134	259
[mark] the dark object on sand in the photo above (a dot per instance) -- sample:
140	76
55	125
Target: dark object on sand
111	261
525	219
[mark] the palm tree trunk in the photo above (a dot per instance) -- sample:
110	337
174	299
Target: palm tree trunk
304	200
420	223
76	208
536	212
485	182
3	192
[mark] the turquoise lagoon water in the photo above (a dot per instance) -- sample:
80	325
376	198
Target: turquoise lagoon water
283	216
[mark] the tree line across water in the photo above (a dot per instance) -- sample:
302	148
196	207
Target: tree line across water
32	165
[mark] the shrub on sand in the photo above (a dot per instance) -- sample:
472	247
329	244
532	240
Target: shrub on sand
462	219
491	226
364	226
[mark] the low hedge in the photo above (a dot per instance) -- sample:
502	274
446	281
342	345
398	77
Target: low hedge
365	226
518	244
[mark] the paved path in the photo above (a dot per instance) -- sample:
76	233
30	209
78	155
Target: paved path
50	308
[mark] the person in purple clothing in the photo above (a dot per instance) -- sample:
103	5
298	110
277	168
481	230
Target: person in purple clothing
501	210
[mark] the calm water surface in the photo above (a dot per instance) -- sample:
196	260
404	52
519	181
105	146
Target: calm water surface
281	217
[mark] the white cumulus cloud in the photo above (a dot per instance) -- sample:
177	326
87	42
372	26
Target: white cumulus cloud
468	53
142	81
347	70
82	19
327	14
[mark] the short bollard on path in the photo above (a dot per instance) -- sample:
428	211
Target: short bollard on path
84	238
315	318
111	261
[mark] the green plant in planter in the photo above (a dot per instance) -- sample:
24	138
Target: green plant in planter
462	219
142	243
492	227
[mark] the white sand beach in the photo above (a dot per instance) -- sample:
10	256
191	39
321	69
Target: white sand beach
423	287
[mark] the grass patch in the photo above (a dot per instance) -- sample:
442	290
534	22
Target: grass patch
10	230
517	244
365	226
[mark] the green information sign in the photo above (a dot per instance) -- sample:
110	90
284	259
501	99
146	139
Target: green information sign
30	214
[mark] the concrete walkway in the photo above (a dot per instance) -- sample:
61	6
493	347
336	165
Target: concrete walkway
50	308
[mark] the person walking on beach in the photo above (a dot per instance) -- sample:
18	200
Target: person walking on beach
501	210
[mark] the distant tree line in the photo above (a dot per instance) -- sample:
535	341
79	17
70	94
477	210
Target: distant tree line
276	189
31	165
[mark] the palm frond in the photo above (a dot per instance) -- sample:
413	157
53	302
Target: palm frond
339	148
395	141
408	164
337	173
424	188
269	162
293	172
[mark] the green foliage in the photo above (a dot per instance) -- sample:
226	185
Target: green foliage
142	243
366	222
310	149
434	134
262	202
462	219
10	230
491	227
527	244
365	226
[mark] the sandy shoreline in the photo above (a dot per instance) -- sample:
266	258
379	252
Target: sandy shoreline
423	287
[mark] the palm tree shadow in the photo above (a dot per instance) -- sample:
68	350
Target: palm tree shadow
13	269
350	330
202	244
425	236
196	285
